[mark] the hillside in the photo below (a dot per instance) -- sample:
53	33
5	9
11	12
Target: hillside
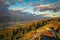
29	31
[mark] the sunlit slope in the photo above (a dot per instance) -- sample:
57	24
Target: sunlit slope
36	33
28	31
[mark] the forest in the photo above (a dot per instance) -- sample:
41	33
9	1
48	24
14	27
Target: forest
26	31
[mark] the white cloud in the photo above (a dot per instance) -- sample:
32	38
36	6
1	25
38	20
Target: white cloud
55	7
52	14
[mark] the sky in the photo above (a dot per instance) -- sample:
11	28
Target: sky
51	7
30	4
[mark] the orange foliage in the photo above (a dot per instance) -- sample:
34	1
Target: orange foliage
46	33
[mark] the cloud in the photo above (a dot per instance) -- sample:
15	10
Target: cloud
44	14
12	2
50	14
55	7
2	1
20	0
3	8
31	4
21	9
35	4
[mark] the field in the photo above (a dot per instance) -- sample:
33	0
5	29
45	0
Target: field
30	30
